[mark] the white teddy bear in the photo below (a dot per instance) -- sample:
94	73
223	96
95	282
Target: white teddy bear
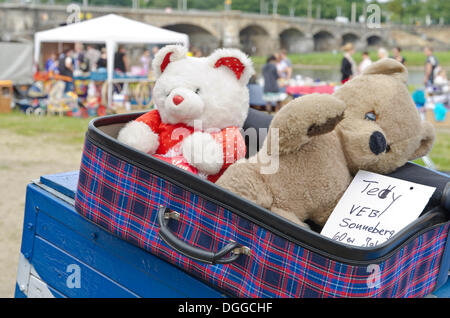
200	105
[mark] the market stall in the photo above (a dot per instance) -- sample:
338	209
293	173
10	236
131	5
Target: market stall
111	30
19	69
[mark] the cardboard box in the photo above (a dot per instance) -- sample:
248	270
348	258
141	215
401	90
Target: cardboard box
6	96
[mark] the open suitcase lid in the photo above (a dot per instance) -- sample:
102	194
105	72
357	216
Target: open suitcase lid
103	132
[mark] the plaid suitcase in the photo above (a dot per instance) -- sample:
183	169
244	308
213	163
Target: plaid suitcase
241	248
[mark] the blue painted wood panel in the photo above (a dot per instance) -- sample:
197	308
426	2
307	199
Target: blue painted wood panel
65	183
56	268
76	239
444	291
19	294
145	283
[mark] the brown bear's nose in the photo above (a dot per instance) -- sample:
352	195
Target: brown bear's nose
177	99
377	143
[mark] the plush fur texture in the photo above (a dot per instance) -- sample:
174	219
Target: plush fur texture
138	135
370	123
206	95
208	158
212	95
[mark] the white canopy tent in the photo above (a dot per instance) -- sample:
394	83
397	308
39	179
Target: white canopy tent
112	30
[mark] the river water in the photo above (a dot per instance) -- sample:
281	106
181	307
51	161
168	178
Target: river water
415	76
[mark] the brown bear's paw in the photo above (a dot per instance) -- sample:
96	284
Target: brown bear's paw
244	179
289	216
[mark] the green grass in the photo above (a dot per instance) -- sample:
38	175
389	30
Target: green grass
60	129
440	154
334	59
318	58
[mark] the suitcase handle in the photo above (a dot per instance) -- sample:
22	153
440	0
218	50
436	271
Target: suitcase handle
232	249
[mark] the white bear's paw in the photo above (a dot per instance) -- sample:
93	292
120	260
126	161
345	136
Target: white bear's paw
138	135
203	152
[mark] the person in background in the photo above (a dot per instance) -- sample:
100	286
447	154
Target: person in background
65	68
81	63
155	50
120	66
366	61
145	62
271	88
196	52
441	76
441	80
348	65
284	66
382	53
52	64
92	54
397	52
102	61
121	60
431	64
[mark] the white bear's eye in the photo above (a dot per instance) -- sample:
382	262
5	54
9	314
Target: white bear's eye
197	91
370	116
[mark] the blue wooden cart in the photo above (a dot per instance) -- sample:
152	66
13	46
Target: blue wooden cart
65	255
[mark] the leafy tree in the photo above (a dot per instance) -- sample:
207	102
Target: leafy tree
400	11
438	9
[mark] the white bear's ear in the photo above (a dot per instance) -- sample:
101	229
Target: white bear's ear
235	60
166	55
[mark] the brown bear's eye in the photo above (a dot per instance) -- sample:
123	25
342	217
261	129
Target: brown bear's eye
371	116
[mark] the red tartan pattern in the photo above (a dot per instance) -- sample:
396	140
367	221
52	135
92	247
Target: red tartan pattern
124	200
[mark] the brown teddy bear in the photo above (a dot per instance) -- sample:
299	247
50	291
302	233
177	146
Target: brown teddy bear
370	123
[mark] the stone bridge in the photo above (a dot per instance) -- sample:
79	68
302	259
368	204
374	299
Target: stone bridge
253	33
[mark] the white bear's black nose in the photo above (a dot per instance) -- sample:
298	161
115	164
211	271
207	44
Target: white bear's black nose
377	143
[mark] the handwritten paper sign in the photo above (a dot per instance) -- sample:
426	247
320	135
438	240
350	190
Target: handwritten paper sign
374	208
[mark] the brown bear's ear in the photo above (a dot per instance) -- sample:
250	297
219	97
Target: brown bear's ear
426	141
302	119
388	66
